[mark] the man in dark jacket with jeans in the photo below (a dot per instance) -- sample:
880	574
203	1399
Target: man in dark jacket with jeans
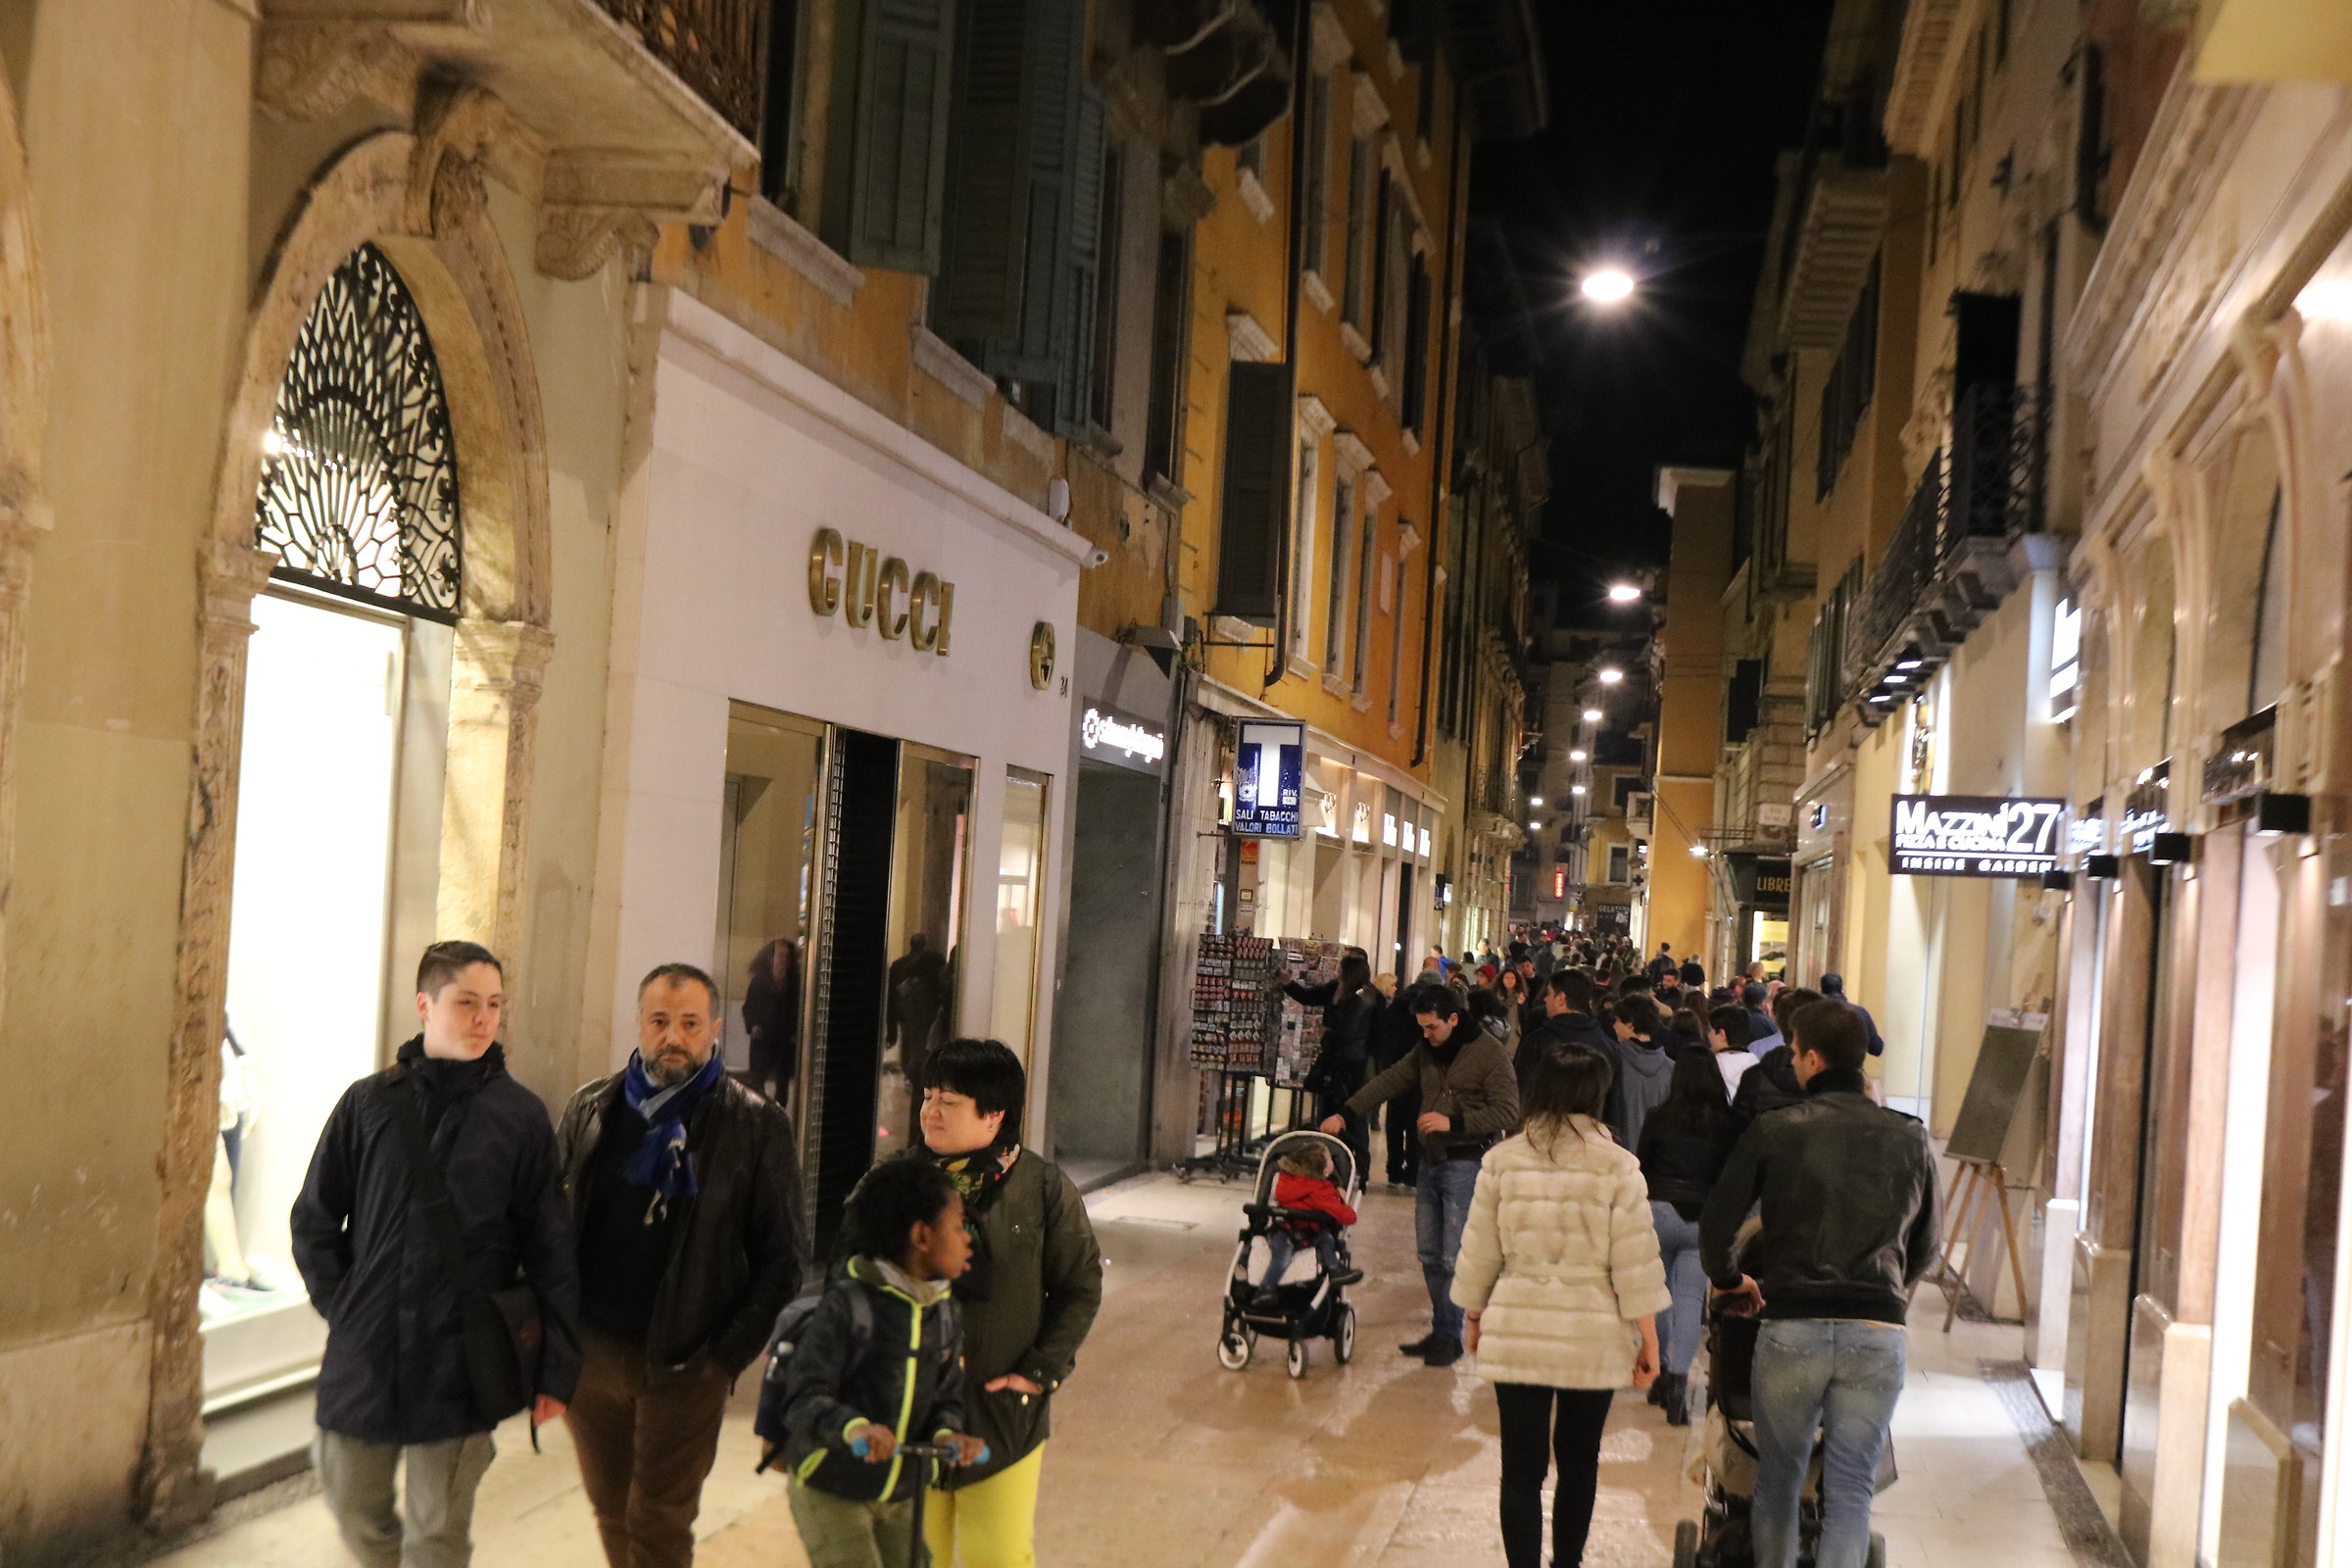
1469	1102
685	1196
396	1381
1848	1196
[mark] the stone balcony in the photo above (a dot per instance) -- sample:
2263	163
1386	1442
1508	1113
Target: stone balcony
616	115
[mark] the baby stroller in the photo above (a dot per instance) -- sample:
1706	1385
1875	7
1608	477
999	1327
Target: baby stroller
1719	1537
1309	1302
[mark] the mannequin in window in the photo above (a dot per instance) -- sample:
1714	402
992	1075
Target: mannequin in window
224	1251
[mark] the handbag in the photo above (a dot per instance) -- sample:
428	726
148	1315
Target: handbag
503	1329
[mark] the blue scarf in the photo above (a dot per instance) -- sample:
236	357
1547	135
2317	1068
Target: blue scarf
660	1162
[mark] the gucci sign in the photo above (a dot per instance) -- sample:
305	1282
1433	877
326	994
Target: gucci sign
871	589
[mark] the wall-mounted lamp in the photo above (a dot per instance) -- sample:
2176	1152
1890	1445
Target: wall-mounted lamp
2170	849
2275	815
2057	881
2103	868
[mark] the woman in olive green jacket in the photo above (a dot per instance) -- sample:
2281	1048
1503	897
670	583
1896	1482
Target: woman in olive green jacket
1027	1301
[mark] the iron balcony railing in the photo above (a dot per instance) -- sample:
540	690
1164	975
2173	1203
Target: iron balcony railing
716	47
1946	566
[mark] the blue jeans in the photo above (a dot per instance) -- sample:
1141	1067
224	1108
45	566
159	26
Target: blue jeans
1843	1378
1280	1250
1677	1250
1440	1208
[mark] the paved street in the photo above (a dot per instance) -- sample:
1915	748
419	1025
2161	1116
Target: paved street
1164	1460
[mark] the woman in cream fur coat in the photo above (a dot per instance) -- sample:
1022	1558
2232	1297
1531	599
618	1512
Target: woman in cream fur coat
1560	1281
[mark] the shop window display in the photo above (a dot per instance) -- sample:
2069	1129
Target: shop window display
1020	882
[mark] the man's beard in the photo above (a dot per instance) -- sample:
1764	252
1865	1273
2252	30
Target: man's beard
670	1075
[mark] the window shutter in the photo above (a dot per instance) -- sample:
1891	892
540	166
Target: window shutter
1359	203
1252	518
1318	172
899	133
1001	297
1384	272
1416	347
1081	274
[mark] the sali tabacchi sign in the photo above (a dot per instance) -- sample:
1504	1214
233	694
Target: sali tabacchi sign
1976	835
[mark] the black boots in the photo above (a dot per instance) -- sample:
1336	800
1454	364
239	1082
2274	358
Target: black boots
1671	1392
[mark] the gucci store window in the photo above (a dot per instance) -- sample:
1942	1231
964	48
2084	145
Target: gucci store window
845	860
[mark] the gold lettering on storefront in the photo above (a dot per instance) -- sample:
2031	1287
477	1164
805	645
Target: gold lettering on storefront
871	589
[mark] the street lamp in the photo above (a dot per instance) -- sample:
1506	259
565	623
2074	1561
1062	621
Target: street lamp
1579	754
1535	800
1576	789
1608	285
1623	593
1591	715
1610	675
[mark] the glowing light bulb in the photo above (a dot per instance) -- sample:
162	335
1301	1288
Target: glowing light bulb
1608	285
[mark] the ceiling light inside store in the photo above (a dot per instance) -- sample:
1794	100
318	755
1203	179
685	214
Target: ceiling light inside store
1907	664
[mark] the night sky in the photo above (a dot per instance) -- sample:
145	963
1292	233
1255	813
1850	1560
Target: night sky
1666	118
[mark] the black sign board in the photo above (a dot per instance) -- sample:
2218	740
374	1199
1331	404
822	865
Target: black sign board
1762	880
1976	835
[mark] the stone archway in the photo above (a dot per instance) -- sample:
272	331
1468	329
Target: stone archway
419	199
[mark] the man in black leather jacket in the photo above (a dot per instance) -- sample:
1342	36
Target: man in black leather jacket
685	1196
1850	1222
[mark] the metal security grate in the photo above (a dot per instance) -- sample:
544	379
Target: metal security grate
359	492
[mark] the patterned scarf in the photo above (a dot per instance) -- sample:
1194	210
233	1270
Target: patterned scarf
661	1162
978	1174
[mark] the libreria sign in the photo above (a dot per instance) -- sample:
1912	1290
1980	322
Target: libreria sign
1976	835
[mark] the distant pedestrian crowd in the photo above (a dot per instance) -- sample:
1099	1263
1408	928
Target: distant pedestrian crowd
1602	1151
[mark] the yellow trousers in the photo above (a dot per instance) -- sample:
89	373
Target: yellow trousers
991	1525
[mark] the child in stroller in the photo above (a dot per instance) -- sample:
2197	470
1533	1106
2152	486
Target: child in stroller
1290	1269
1719	1538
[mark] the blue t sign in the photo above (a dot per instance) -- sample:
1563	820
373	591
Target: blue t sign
1268	764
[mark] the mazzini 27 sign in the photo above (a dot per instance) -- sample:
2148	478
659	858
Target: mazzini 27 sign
1976	835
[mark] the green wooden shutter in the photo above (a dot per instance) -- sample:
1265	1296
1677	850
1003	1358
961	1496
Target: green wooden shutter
898	127
1383	275
1318	175
1253	519
1001	297
1415	392
1082	270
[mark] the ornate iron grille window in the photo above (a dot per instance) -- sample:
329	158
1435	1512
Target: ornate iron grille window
359	491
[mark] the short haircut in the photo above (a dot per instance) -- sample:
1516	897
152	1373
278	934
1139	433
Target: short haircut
1751	995
984	1070
1574	987
1733	1023
679	974
1635	984
1791	1000
444	962
1639	1013
1833	1031
892	1199
1439	1000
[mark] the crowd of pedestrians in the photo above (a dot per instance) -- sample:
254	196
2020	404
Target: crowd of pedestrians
621	1268
1607	1147
1599	1147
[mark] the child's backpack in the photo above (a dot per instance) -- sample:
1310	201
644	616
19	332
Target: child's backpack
791	1324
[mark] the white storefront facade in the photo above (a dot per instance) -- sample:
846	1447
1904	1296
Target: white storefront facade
839	742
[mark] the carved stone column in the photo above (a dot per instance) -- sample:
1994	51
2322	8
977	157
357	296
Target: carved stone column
485	815
170	1488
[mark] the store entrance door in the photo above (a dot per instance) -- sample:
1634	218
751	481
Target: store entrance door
1104	1020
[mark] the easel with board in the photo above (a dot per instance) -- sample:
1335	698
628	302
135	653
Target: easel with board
1979	1137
